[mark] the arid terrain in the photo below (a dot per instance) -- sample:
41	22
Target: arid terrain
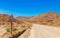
22	23
49	18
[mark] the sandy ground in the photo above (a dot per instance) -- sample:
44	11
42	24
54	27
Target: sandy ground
42	31
25	34
2	30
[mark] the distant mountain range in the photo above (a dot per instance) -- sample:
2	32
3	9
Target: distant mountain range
49	18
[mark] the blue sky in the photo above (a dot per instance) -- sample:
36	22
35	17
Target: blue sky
28	7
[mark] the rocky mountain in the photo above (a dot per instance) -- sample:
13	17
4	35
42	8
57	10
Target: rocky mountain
22	23
4	17
22	18
49	18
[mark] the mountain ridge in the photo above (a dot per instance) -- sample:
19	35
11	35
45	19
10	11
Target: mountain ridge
49	18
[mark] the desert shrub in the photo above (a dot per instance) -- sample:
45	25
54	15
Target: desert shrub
8	30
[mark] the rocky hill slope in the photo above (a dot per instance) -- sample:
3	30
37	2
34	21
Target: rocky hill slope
22	23
49	18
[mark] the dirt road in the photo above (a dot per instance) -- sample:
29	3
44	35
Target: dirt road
42	31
